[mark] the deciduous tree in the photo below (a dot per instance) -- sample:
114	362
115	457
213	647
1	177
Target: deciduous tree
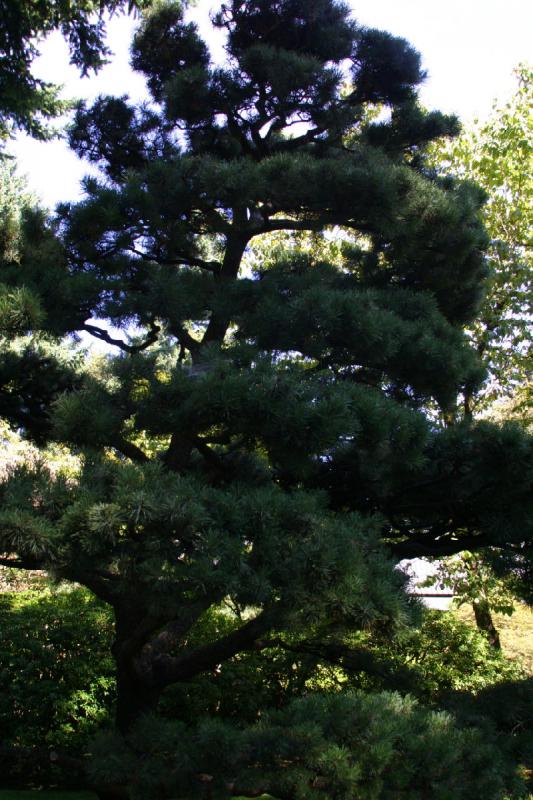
496	155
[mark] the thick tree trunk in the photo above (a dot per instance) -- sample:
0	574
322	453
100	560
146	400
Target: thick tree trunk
134	698
235	247
485	623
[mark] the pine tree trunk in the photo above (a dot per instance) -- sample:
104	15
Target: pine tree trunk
134	698
485	623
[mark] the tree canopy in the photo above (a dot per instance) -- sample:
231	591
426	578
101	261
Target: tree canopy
260	436
28	103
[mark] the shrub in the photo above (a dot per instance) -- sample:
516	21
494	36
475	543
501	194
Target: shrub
348	746
448	654
56	674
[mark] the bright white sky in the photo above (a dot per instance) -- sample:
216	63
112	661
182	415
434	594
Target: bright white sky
469	49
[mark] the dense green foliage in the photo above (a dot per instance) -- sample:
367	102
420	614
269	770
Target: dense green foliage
261	436
57	679
438	657
448	655
351	746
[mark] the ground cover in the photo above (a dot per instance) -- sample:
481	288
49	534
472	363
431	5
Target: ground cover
59	795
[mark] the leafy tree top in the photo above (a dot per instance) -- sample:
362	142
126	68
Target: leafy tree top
496	154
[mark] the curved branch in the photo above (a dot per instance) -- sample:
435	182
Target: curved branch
294	225
351	658
418	548
104	336
99	582
179	260
130	450
288	145
235	247
185	339
100	586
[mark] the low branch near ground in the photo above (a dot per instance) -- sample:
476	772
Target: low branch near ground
21	563
130	450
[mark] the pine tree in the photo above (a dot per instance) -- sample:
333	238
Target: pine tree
261	435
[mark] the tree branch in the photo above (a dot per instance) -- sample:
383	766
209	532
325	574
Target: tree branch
185	260
130	450
168	669
288	145
417	548
149	641
293	225
104	336
210	456
235	247
97	584
185	339
353	659
178	452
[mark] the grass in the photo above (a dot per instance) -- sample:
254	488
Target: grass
516	633
8	794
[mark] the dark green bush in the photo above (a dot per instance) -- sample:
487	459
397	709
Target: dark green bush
508	708
348	746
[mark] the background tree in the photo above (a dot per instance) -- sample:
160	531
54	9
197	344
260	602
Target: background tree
487	580
286	408
496	155
473	581
20	309
517	407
